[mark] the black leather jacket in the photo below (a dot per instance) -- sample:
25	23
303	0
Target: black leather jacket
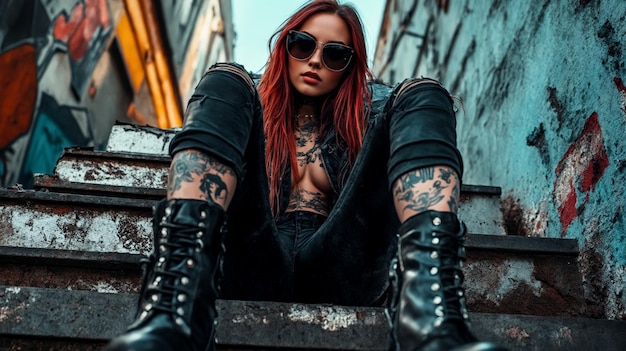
360	229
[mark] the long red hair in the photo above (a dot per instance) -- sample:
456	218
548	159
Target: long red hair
344	107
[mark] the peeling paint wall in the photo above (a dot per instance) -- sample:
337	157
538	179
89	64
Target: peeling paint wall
543	115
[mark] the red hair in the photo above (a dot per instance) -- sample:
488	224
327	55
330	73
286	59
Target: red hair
345	106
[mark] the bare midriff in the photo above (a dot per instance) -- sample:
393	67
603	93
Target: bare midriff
310	191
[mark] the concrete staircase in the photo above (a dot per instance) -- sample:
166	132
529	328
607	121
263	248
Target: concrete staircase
70	255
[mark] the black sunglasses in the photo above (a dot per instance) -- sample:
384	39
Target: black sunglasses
301	46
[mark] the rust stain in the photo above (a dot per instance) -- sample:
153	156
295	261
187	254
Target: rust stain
73	278
517	333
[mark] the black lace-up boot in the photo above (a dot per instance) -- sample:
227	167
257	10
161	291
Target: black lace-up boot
428	309
177	304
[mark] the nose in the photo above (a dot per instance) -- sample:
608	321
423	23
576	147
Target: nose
316	59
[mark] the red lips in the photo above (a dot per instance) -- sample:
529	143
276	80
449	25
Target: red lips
312	75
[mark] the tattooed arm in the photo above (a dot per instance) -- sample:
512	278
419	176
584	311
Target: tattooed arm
195	175
430	188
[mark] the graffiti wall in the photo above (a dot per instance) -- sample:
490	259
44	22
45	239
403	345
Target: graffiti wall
544	117
71	69
48	53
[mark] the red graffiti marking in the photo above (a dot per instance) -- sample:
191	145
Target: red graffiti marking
620	85
80	28
18	92
583	164
622	92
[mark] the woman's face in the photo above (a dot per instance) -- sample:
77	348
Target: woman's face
310	77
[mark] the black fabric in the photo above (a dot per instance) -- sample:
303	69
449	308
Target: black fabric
349	263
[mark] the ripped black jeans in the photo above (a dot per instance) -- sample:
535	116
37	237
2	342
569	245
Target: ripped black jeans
409	126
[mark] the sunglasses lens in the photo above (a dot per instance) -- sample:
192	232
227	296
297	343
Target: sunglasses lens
300	46
337	56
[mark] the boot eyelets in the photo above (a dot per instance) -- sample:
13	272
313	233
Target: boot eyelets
203	215
143	315
179	321
435	287
154	298
148	307
434	271
460	293
162	248
199	234
184	280
434	255
437	300
190	263
180	311
438	321
164	232
436	221
181	298
201	224
168	211
439	311
435	241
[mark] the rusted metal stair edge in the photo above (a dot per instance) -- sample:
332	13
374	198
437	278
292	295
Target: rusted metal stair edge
70	258
54	184
131	157
36	312
77	199
91	153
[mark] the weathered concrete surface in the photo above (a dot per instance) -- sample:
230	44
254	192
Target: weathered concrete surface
32	312
140	139
70	270
544	113
74	222
117	169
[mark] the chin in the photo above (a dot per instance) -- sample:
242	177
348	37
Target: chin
309	91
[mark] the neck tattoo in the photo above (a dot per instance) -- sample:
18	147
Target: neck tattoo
305	117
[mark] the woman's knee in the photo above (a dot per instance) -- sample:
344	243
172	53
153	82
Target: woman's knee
220	115
422	127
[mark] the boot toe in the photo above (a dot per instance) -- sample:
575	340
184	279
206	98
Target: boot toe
138	341
481	346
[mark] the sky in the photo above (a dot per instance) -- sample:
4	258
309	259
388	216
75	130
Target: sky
256	20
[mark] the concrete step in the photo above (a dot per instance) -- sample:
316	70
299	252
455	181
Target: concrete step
130	138
88	319
97	172
505	274
522	275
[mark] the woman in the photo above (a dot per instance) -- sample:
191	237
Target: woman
316	170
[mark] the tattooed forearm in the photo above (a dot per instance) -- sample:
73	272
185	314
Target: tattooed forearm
426	188
200	171
452	201
213	186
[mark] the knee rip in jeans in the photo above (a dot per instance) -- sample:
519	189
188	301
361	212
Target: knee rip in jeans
235	69
411	83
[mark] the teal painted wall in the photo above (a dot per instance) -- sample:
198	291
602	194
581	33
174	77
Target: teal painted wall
543	89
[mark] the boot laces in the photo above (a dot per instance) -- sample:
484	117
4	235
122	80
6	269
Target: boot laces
176	249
